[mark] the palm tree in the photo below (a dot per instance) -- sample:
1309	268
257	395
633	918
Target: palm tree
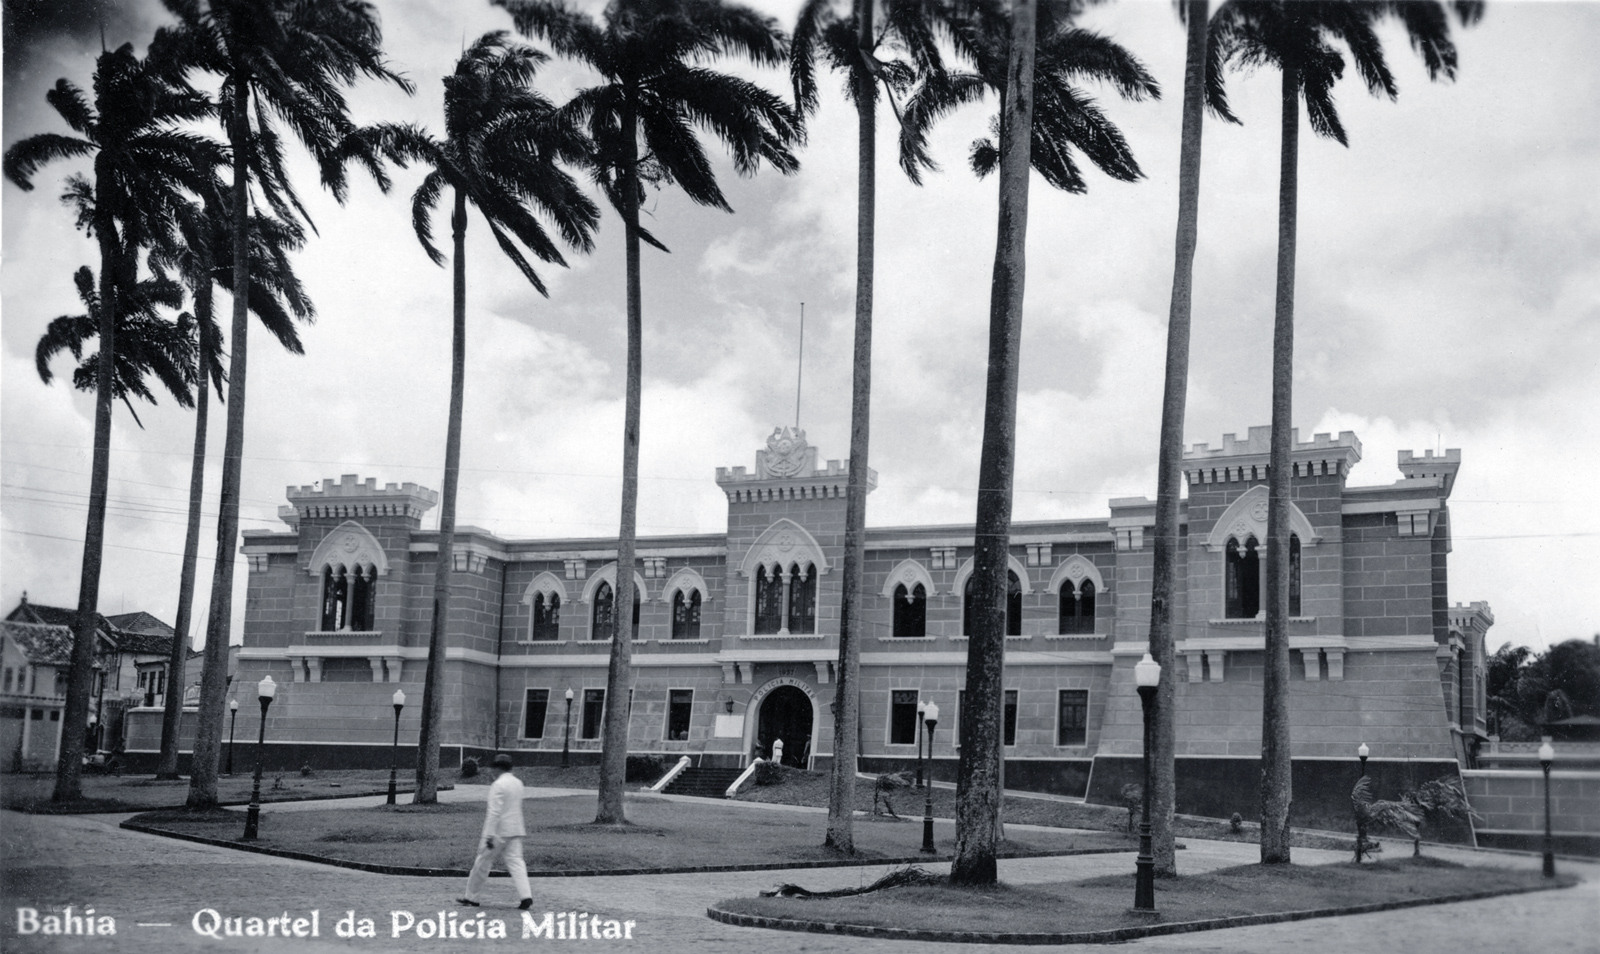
203	258
1169	479
281	62
141	164
500	152
655	90
868	58
1302	39
1034	58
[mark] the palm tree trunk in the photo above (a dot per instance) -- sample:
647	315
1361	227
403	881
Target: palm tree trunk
214	668
433	682
80	677
978	783
1169	481
847	708
172	714
614	751
1276	790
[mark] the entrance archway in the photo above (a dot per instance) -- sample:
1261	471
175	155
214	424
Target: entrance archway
786	714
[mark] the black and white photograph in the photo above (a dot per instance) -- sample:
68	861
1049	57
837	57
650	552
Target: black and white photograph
799	475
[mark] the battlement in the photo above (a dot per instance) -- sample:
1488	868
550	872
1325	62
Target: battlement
1442	466
1247	459
787	469
350	497
1464	615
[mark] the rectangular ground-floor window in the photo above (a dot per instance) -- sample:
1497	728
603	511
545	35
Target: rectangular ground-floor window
1008	727
594	709
1072	723
680	706
535	704
903	717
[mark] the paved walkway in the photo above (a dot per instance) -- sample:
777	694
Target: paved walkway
86	860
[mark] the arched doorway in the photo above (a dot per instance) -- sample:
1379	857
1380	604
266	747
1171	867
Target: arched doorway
785	714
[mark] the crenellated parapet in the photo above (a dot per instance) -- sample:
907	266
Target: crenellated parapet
1430	466
787	469
1247	459
353	498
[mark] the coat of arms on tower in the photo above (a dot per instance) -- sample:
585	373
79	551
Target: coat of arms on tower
787	454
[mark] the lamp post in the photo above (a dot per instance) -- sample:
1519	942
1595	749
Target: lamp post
1547	754
566	735
1361	753
1146	676
233	723
930	719
922	735
1361	826
266	689
394	750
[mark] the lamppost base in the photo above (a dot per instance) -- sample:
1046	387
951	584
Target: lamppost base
1149	914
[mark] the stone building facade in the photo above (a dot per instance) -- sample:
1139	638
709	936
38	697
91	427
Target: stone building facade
737	632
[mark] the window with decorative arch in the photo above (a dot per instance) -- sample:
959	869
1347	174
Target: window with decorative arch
686	614
1245	577
1077	607
1013	605
603	618
910	611
346	565
786	599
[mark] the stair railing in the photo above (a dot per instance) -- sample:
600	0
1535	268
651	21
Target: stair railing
743	776
672	773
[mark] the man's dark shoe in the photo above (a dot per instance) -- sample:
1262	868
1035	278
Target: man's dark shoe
467	901
526	904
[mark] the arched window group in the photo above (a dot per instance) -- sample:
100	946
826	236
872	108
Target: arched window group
348	595
604	621
910	611
1013	605
1244	575
786	599
1077	607
547	616
686	614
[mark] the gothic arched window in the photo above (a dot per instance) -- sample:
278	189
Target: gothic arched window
1013	605
1243	595
686	615
910	612
802	598
1077	607
604	618
769	601
546	616
1294	574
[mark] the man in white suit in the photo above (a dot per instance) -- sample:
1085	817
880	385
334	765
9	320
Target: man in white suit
502	836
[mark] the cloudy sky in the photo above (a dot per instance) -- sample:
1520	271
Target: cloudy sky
1448	296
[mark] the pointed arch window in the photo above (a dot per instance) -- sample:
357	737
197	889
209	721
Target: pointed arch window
603	623
802	598
1294	574
1077	607
546	616
347	598
1013	605
910	612
1243	583
769	601
686	615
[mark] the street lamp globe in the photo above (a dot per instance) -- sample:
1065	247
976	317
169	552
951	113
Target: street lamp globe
1146	672
399	698
569	695
1547	753
233	705
931	713
266	688
1362	751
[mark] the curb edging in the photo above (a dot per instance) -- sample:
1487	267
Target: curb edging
1110	936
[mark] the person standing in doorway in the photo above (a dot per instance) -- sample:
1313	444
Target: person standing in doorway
502	836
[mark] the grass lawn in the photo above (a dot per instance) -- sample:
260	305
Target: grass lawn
1102	904
562	837
811	788
135	793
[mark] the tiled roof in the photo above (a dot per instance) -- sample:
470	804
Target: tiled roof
137	632
139	622
44	644
143	642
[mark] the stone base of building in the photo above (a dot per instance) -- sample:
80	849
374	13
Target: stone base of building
279	757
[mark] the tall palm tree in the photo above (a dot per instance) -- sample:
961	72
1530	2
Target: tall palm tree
1169	469
1302	39
869	57
203	257
281	62
1044	120
141	165
655	90
500	153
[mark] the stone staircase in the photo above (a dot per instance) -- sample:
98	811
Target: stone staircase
703	782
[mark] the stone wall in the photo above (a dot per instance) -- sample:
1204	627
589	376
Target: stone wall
1511	803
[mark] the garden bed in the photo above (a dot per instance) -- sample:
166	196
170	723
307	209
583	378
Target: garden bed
1098	909
662	834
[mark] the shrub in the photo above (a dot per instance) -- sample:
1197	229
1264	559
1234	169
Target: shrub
469	768
1236	823
305	771
648	768
769	773
1436	803
1133	801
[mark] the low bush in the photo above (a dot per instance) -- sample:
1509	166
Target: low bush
469	768
769	773
648	768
